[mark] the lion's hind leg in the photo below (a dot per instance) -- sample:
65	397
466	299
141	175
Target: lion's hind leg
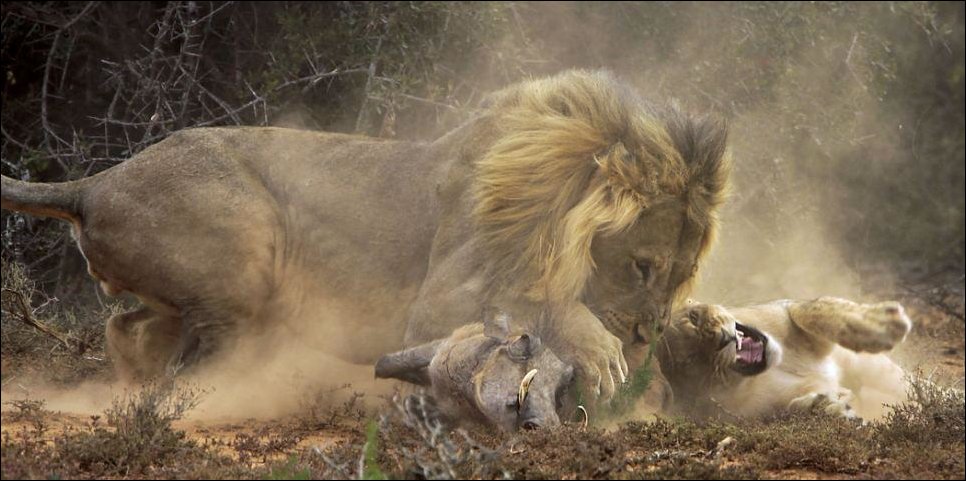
877	381
211	329
858	327
140	342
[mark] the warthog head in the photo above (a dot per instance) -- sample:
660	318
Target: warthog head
488	375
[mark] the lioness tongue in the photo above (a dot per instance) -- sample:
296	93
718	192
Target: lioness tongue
751	351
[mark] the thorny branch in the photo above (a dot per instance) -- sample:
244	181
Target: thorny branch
437	455
72	344
174	78
936	297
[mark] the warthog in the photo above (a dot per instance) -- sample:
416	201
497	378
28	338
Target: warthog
483	373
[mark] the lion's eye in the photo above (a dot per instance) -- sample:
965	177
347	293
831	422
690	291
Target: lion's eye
644	268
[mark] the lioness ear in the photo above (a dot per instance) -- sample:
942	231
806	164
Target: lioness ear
496	324
410	365
524	347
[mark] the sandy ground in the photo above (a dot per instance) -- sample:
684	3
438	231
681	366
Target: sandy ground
260	440
257	441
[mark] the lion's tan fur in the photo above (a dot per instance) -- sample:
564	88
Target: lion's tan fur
561	173
362	246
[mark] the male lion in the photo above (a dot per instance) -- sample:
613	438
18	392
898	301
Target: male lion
800	355
565	199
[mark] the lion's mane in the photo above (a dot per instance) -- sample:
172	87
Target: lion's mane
581	154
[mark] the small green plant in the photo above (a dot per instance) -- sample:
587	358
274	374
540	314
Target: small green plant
637	385
289	470
370	468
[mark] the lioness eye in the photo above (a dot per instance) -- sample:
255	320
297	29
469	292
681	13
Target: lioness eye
644	268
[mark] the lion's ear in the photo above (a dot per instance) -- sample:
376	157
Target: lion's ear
410	365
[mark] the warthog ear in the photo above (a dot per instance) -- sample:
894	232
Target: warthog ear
410	365
523	347
496	324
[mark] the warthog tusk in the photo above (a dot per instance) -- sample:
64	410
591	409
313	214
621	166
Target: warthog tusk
586	421
525	388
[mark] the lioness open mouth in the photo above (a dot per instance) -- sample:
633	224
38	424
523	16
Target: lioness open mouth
750	344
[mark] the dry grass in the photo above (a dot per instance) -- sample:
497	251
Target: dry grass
138	437
30	353
922	438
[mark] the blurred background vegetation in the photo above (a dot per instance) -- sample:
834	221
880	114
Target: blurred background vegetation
847	118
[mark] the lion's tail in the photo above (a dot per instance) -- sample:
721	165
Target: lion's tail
59	200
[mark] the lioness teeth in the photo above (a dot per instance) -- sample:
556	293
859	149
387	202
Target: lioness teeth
739	335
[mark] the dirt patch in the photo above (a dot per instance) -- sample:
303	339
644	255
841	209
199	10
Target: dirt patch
89	428
923	438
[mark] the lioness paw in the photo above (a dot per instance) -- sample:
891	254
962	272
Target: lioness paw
890	325
895	321
833	404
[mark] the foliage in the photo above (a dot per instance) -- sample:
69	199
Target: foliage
923	439
289	470
26	349
138	434
850	113
629	394
136	439
371	468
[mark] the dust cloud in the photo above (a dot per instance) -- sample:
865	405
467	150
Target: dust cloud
254	381
806	121
265	381
800	88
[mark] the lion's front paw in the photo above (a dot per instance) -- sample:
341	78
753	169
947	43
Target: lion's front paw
598	357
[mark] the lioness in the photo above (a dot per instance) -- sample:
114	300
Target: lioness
800	355
566	201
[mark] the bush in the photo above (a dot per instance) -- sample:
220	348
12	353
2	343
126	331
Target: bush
138	435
